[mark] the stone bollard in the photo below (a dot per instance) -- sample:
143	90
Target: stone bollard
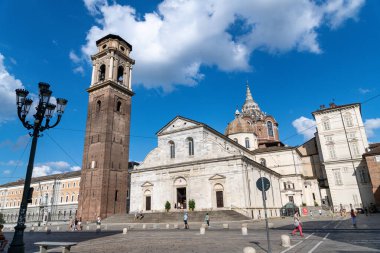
244	229
270	225
144	226
87	228
202	230
175	226
57	228
167	226
285	241
225	226
98	229
249	250
125	230
31	229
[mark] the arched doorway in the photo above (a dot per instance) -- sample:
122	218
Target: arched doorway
148	200
180	192
218	189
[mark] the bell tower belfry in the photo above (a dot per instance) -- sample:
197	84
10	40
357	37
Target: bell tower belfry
103	187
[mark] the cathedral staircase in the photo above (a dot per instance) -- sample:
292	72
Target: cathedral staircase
170	217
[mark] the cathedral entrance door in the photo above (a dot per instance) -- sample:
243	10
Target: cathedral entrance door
181	198
147	203
219	199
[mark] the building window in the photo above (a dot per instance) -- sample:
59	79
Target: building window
67	198
332	152
98	106
118	106
72	198
270	128
172	149
351	135
326	124
337	177
190	143
247	143
120	74
363	176
348	120
329	138
284	186
102	72
263	162
355	149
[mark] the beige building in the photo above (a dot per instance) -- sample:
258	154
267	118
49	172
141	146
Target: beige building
55	197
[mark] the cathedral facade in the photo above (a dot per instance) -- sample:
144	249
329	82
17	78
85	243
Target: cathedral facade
219	171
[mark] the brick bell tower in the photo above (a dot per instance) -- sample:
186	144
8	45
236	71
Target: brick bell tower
103	187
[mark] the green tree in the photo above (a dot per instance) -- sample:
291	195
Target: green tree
192	204
167	206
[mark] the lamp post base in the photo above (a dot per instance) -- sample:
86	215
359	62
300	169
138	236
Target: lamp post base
17	245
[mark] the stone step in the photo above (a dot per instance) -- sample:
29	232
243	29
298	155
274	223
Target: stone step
163	217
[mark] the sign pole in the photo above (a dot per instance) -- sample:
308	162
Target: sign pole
265	213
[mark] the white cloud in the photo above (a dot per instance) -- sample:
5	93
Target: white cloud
305	126
50	168
171	44
364	90
371	125
11	163
75	58
79	70
7	172
8	84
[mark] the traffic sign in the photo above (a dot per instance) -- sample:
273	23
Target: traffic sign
263	182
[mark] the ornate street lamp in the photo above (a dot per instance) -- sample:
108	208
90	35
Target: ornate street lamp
45	110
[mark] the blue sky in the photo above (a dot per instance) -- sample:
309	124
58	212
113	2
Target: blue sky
193	58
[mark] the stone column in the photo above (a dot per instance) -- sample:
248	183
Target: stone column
110	71
130	78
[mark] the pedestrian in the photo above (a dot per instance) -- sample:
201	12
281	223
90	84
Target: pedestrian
185	219
76	223
297	224
98	221
80	223
3	240
366	211
353	218
311	213
207	220
320	211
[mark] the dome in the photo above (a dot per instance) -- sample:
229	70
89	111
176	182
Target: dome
240	125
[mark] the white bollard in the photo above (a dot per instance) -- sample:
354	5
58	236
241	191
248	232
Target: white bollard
285	241
167	226
87	228
175	226
57	228
249	250
144	226
202	230
32	229
270	225
125	230
225	226
244	231
98	229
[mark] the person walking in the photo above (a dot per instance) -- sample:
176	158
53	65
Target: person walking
353	218
3	240
297	224
207	220
185	219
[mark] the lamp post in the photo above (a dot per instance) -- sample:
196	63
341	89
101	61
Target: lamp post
44	110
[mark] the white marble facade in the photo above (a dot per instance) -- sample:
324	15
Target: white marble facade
216	164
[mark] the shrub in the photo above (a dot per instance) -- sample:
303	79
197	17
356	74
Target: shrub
192	204
167	206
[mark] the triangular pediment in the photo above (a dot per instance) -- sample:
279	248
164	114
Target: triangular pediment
217	177
147	184
178	124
